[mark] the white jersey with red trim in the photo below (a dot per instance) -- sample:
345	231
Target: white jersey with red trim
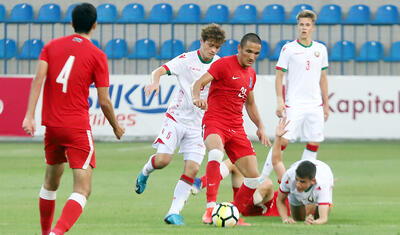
302	66
319	194
188	68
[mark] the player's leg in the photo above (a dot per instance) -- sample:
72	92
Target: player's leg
312	132
236	178
76	202
166	143
213	178
264	192
47	196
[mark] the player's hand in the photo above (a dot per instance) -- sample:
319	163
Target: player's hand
263	137
281	109
281	128
309	220
29	126
200	103
149	89
288	220
119	131
326	112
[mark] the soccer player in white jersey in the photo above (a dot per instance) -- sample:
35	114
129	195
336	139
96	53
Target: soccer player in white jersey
304	101
308	185
182	124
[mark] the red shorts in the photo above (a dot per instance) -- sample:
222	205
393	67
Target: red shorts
235	141
69	145
253	210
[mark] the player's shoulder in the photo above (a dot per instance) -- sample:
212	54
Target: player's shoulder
319	45
289	46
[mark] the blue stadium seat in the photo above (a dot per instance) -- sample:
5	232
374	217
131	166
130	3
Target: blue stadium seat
116	49
322	42
21	13
132	13
170	49
394	53
277	49
273	14
106	13
245	14
2	13
30	49
49	13
330	14
230	47
386	15
188	14
96	43
264	53
68	14
358	14
143	49
195	45
8	48
371	51
343	51
296	10
217	13
160	13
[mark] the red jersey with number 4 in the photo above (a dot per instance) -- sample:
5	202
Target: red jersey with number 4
228	91
74	63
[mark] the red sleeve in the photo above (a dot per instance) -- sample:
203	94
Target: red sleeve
43	54
101	78
216	69
255	79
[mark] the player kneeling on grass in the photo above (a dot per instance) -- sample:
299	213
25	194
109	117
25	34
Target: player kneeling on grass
182	124
308	185
264	198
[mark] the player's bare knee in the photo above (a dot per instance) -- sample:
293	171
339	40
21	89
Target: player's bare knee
162	160
51	185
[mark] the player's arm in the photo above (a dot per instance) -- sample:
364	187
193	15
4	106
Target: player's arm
277	163
108	110
281	205
323	211
252	111
155	81
196	88
323	83
280	108
29	124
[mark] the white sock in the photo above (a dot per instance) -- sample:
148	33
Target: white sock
251	182
79	198
223	170
181	194
268	167
148	167
309	155
211	204
46	194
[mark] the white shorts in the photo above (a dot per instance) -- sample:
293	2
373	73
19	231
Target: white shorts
173	135
306	122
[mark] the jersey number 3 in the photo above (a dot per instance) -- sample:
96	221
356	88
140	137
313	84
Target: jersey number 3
62	78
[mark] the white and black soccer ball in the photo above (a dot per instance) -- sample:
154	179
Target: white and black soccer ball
225	214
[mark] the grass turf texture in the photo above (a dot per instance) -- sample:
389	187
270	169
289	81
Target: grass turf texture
366	195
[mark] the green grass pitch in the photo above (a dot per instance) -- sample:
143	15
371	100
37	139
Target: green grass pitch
366	195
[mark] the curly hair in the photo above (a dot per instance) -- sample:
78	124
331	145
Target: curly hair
213	32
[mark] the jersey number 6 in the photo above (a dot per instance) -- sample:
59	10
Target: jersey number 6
62	78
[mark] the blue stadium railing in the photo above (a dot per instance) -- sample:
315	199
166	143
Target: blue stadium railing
188	20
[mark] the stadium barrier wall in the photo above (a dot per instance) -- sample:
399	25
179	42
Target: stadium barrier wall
361	107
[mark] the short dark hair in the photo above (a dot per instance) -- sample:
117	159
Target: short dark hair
213	32
306	169
252	37
83	17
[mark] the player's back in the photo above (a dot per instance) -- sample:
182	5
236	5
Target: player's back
73	64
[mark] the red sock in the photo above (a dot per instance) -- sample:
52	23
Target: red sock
203	181
213	178
46	208
235	190
243	198
70	214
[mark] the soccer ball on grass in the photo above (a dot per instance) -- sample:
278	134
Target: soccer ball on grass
225	214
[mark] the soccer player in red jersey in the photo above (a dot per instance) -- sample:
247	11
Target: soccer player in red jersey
232	82
70	64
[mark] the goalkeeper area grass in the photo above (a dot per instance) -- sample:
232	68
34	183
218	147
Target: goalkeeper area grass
366	194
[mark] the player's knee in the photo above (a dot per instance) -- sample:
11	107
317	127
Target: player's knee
51	185
162	160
